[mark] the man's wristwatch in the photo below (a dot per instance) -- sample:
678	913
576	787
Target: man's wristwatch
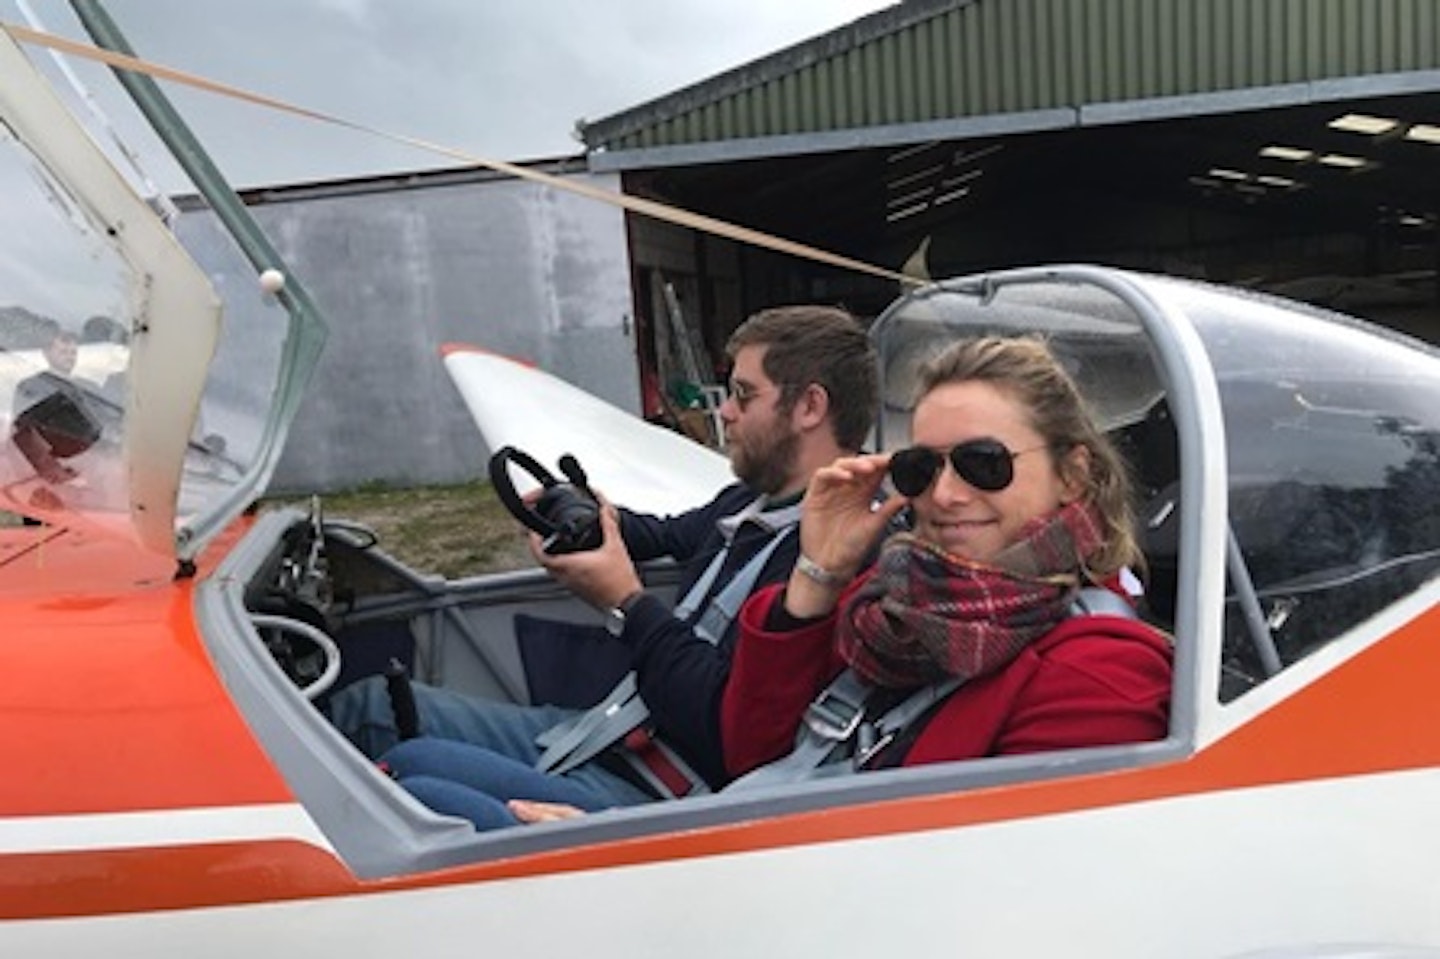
615	615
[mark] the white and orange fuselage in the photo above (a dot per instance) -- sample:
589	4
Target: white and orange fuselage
140	813
169	790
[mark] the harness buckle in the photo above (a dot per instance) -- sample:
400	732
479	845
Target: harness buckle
834	717
868	751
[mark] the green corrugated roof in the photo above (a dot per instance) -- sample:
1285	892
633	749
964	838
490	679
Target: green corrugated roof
924	61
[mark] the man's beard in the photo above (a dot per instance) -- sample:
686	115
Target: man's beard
771	473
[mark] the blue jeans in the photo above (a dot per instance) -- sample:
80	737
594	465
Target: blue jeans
496	761
461	779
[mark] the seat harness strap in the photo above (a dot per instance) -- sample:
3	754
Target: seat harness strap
722	610
836	737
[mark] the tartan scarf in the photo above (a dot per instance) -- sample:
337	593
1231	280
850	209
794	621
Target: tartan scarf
925	615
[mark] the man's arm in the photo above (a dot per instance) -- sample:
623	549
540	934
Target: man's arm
681	676
38	453
683	536
606	576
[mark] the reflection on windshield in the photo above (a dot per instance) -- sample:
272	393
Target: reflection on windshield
242	377
77	314
1096	336
62	351
1333	437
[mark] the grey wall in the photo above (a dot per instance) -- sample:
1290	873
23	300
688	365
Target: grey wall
399	270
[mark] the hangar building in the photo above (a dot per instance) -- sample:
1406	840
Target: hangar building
1288	145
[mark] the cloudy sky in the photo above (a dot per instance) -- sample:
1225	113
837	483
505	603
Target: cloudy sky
505	79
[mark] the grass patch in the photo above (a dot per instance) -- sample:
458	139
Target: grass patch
456	531
459	530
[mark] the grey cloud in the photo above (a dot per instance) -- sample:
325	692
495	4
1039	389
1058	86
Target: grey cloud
504	79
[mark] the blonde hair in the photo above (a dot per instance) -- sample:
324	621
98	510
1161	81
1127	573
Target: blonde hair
1025	369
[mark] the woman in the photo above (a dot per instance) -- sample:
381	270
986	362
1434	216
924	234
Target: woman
1019	501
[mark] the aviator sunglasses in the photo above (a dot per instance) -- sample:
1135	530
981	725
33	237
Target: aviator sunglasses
986	464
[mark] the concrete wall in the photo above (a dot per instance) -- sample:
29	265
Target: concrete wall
399	269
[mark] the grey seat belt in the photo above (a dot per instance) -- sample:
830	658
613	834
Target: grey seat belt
835	736
1094	601
829	724
581	738
625	690
565	742
721	612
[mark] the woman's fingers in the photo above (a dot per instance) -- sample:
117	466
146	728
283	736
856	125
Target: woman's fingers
843	513
533	811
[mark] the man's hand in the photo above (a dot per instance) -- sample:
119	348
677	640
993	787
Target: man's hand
603	576
55	472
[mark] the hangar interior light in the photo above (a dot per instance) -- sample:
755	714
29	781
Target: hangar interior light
1364	123
1295	154
930	175
1424	133
1379	126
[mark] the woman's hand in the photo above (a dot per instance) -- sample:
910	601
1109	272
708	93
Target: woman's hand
840	523
533	811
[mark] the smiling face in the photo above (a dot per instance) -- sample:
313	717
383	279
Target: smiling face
970	522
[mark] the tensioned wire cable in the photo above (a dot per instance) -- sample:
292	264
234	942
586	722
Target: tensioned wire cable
634	204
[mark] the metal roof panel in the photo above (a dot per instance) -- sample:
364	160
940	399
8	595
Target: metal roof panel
923	61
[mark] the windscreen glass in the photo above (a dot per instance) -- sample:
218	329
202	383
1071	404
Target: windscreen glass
66	299
114	276
1332	431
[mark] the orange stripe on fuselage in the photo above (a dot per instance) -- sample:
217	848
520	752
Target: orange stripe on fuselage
54	885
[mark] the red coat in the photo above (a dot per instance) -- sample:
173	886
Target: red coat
1091	681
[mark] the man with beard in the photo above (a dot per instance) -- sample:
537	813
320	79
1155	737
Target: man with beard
802	393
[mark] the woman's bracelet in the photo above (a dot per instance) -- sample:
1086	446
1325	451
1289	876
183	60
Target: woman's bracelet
812	570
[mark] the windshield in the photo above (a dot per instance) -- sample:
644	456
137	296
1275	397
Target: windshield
1332	434
127	405
244	373
64	300
1096	335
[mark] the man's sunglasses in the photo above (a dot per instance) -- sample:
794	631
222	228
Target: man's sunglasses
744	393
987	465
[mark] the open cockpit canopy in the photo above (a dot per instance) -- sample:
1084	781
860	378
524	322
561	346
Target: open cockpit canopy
1286	456
125	403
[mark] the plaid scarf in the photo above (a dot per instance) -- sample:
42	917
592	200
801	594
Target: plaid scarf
925	615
